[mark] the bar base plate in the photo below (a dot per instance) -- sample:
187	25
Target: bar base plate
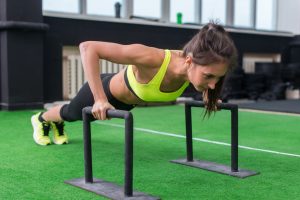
108	189
215	167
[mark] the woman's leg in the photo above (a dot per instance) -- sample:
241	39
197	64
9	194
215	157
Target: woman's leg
53	114
54	117
72	111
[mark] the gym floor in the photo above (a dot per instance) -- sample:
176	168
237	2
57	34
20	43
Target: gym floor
269	144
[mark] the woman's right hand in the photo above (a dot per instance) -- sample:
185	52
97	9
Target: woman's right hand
99	109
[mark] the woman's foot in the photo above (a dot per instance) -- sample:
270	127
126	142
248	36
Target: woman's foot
59	134
40	130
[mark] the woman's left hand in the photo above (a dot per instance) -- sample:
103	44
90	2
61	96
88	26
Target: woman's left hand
219	101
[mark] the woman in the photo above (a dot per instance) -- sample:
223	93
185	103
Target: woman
152	75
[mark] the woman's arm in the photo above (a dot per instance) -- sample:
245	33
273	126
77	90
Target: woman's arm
136	54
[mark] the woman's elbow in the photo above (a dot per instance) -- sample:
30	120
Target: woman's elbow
83	46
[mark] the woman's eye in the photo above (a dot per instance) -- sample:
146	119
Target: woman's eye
208	76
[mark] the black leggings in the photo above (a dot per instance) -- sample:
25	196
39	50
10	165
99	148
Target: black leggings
73	111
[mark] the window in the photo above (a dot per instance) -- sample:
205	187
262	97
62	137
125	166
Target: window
243	13
147	8
102	7
213	10
186	7
70	6
265	14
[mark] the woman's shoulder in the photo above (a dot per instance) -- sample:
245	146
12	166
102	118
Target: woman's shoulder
147	56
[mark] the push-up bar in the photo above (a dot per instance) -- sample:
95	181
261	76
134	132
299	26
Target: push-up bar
114	191
212	166
102	187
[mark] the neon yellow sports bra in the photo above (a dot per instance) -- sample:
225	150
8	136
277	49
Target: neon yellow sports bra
150	92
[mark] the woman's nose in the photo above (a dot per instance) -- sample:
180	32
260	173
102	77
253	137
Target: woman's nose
211	85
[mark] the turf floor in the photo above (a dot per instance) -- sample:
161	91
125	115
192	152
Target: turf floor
29	171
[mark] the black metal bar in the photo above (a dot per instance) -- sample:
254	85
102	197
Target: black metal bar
234	128
128	154
128	177
87	146
224	106
234	139
189	134
232	170
33	26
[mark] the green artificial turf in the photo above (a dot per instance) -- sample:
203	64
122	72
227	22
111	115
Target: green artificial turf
29	171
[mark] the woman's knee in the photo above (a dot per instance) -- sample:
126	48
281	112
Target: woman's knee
70	114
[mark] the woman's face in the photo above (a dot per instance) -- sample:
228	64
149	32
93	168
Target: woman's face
206	76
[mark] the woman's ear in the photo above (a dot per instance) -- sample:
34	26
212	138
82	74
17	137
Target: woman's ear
188	63
188	60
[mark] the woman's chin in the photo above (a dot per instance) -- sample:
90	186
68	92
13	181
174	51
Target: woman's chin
200	89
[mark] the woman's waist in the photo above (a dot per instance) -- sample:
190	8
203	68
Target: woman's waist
121	92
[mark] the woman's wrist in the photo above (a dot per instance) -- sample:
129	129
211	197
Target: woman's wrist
101	100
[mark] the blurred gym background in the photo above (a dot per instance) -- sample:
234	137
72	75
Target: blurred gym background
40	61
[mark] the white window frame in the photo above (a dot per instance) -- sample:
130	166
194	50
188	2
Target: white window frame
127	10
274	16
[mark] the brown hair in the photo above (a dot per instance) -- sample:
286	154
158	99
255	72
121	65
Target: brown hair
212	44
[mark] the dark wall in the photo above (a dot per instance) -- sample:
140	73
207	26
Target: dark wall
292	51
65	31
21	54
256	43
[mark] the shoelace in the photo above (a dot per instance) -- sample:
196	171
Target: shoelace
46	128
60	127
